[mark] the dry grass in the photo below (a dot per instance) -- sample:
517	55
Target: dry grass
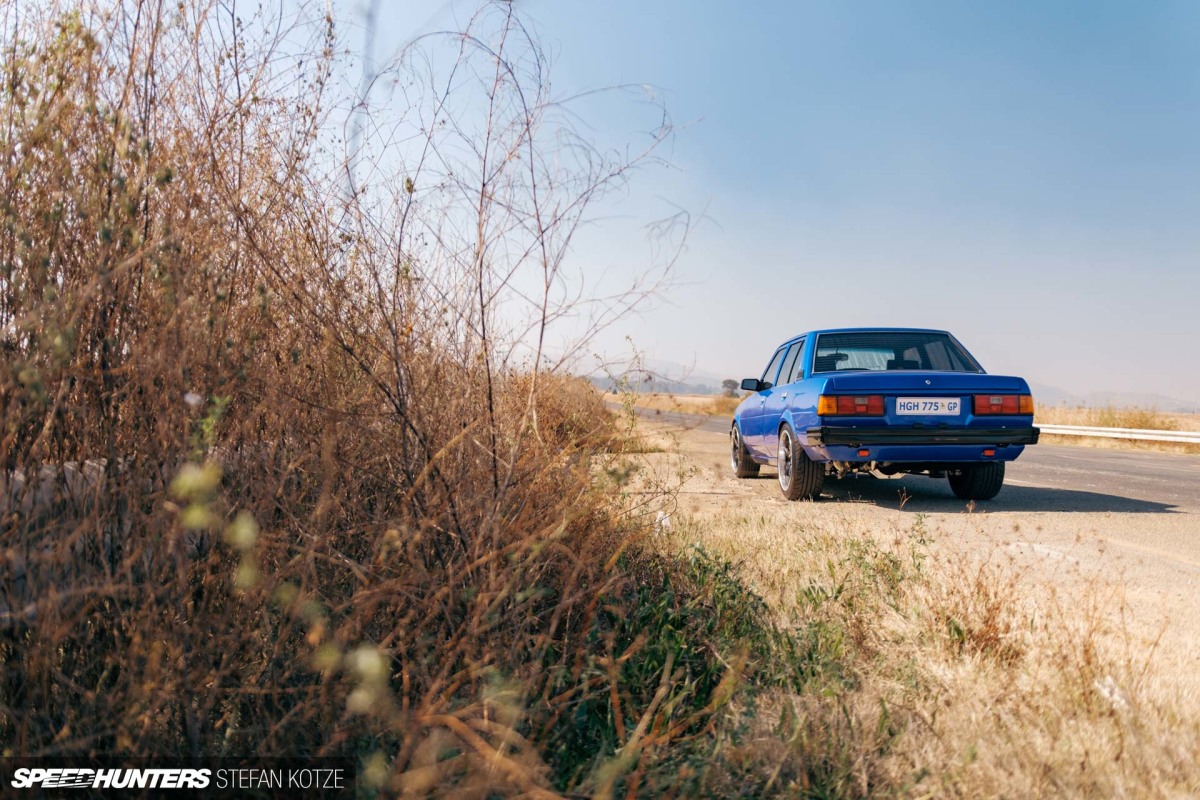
1130	417
1100	443
268	483
712	405
1111	417
927	667
947	675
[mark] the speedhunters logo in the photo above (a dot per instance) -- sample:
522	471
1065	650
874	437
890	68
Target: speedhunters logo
82	778
178	778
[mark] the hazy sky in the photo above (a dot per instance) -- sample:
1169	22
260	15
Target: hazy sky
1025	174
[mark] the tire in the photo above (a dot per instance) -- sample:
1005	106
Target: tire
739	459
981	482
800	478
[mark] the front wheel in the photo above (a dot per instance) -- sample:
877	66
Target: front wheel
800	478
739	459
979	482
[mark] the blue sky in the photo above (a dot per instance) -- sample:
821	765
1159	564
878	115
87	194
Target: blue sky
1026	174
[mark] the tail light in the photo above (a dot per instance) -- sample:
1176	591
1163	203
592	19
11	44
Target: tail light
850	405
1003	404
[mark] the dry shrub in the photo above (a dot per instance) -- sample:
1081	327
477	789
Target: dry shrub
270	484
722	406
563	408
977	607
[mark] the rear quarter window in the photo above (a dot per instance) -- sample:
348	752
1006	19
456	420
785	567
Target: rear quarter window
787	374
772	369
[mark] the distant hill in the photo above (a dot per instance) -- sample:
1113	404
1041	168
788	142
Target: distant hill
654	384
1054	396
658	375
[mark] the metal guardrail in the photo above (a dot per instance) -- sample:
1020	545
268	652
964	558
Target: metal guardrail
1185	437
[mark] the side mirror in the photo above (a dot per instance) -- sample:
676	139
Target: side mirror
753	385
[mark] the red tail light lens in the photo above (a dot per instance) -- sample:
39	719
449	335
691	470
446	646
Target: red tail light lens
1003	404
850	405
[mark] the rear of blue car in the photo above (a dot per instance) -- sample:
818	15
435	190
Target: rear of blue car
885	401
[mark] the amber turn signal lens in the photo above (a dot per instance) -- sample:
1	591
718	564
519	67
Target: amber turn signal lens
1027	404
826	406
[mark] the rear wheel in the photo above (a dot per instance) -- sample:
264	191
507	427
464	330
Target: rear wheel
739	459
800	478
980	482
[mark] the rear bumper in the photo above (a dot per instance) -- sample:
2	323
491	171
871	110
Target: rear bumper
859	437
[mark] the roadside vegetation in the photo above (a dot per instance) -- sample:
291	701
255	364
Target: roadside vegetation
1125	417
1114	417
275	476
921	668
709	404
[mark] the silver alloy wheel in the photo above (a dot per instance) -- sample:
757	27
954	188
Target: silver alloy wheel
785	459
735	449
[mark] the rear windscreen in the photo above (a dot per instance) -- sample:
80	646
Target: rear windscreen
884	351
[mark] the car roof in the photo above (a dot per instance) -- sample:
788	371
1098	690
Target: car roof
862	330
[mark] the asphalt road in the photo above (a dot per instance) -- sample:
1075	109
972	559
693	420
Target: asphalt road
1045	478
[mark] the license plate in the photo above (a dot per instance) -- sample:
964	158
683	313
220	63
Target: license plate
928	406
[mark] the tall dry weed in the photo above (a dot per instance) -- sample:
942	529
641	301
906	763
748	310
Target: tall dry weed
276	478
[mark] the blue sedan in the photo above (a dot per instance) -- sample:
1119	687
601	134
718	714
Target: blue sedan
881	401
